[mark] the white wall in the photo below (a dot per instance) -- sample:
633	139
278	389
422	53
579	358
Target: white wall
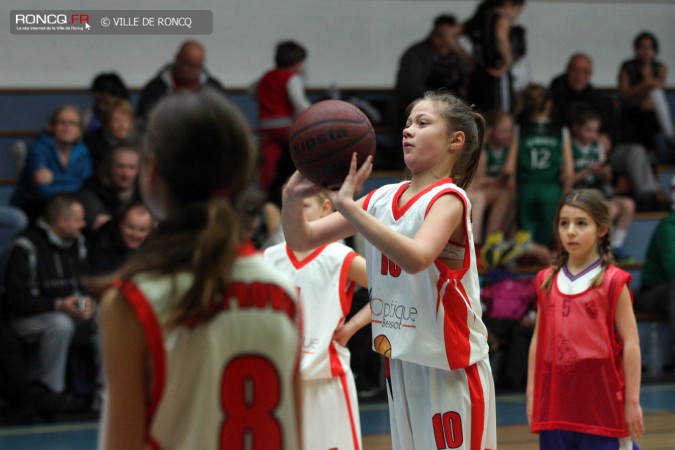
355	43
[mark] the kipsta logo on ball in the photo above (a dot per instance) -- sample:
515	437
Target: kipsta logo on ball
324	137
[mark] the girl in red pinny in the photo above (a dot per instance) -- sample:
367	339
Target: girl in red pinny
583	387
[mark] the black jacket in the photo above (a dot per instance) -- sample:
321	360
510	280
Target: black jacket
563	97
99	198
42	268
107	249
161	85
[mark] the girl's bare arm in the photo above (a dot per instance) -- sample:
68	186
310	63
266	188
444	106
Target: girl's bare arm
626	327
125	364
301	235
531	366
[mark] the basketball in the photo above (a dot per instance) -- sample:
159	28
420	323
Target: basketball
324	137
382	345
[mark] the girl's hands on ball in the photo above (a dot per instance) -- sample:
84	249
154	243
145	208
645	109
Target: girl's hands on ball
299	187
353	183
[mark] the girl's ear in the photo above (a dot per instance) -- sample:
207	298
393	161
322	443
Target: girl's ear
456	141
326	207
602	230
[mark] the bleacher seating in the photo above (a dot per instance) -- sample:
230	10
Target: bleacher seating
24	112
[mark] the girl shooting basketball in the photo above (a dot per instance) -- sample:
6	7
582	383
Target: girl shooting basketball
583	387
200	335
421	274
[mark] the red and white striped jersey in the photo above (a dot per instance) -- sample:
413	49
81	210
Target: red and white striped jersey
228	382
432	318
326	295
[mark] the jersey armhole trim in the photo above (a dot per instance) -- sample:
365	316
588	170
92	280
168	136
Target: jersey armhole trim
153	334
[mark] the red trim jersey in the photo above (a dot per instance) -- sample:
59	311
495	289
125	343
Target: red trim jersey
230	380
579	379
325	292
273	99
432	318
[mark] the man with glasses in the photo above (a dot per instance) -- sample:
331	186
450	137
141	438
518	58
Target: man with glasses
626	157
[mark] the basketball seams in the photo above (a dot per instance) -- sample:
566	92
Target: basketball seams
328	122
323	138
347	145
354	108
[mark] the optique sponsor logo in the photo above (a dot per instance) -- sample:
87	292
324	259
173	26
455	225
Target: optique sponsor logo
392	314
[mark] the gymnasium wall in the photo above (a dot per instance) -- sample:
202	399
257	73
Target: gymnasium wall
353	43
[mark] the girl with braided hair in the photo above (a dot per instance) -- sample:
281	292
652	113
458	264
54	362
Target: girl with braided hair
583	387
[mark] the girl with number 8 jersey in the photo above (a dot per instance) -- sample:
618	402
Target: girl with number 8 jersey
200	335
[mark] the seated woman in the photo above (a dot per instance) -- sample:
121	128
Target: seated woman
57	162
117	128
644	106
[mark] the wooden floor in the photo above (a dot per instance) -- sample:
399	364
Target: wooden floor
657	400
659	435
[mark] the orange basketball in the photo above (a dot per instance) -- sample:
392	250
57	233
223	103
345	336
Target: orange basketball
324	137
382	345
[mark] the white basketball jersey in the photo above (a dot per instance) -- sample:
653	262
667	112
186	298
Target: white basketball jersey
226	383
432	318
325	293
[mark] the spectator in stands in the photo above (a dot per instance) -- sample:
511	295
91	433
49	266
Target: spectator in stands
118	239
492	200
281	97
540	161
436	62
117	129
657	291
105	88
574	86
592	172
489	30
57	162
626	158
104	198
186	73
644	107
45	300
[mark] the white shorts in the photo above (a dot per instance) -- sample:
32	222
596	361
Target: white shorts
330	414
432	408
